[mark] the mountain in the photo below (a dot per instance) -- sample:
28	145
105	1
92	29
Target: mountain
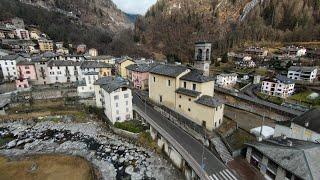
99	13
109	30
171	27
132	17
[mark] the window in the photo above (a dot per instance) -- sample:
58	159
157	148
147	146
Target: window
161	99
169	83
189	99
27	72
57	78
194	87
189	109
127	103
127	109
179	106
126	95
118	118
27	67
116	97
180	96
154	79
11	63
185	84
117	105
117	111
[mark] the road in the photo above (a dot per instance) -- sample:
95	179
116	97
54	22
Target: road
245	97
213	166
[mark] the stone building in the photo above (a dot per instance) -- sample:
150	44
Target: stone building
283	158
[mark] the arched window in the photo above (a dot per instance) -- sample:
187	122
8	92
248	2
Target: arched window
199	55
207	55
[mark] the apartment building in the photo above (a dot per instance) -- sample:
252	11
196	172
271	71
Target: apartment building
280	86
114	95
121	64
138	75
308	74
64	71
102	68
86	86
45	45
8	65
227	80
41	64
188	92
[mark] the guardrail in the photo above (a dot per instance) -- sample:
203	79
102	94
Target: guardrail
192	162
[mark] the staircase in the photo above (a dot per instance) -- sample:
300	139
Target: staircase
222	150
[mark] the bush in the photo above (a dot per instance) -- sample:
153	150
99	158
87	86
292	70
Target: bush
131	126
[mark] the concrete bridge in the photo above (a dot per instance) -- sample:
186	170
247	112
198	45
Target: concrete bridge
188	154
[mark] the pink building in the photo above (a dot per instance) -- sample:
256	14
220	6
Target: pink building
22	84
26	74
138	75
27	70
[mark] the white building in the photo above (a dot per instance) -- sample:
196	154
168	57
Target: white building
227	80
302	73
246	62
63	71
8	66
295	51
305	127
22	34
117	100
280	86
86	87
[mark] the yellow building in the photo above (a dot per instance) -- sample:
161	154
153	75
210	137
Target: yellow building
188	92
121	65
102	68
45	45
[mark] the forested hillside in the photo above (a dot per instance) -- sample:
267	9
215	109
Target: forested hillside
172	26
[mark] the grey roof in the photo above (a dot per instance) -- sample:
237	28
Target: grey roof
39	59
63	63
168	70
141	67
9	57
196	76
104	80
209	101
310	120
299	157
102	57
188	92
226	75
284	79
123	59
49	55
302	68
25	63
95	64
115	84
91	73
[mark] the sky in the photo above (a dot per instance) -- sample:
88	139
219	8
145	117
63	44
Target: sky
134	6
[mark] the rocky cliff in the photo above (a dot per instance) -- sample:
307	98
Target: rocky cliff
99	13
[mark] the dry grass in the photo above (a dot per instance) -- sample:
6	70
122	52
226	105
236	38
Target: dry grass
44	108
49	167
